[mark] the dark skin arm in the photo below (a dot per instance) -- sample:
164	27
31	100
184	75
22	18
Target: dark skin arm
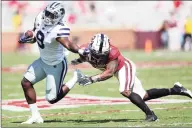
108	73
34	40
68	44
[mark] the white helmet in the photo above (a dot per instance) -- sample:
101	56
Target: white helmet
99	50
53	13
100	44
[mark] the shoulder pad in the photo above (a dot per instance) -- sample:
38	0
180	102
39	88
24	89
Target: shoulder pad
62	31
114	53
38	20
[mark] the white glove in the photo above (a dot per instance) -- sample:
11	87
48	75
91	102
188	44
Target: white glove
85	80
84	52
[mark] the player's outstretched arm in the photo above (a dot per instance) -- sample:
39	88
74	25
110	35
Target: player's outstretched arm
108	73
71	46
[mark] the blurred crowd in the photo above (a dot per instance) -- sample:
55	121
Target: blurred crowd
162	16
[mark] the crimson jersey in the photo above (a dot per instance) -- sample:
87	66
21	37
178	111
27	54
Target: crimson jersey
113	54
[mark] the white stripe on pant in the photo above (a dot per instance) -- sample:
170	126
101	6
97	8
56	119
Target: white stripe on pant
128	80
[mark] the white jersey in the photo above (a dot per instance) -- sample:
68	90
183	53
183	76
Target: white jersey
51	51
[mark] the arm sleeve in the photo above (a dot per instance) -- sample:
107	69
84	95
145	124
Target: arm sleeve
114	54
63	32
34	27
38	20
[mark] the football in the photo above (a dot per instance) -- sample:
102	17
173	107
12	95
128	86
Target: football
29	33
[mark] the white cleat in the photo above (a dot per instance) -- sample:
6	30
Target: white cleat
35	119
178	84
178	87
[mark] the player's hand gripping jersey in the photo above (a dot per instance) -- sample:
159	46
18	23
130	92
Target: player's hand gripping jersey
51	51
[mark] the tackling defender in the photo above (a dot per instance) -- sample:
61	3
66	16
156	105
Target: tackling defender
106	57
51	34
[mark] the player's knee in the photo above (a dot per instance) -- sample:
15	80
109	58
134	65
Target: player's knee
146	96
126	93
25	83
51	101
51	98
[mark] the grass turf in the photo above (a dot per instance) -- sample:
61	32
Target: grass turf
174	115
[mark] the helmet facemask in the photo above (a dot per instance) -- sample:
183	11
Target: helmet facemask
99	58
53	14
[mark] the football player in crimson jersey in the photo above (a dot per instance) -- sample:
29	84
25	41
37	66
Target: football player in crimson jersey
52	36
106	57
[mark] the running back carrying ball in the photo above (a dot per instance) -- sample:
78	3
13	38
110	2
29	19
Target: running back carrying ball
28	37
29	33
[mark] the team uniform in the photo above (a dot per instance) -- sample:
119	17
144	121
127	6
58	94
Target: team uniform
52	63
107	58
51	34
125	72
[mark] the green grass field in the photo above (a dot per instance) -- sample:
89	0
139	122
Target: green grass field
177	114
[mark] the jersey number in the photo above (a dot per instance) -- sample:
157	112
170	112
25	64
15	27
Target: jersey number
40	38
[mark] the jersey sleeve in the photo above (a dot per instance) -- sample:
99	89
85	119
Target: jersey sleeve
62	31
38	20
114	54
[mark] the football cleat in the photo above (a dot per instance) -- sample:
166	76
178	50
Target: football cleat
34	119
178	87
150	118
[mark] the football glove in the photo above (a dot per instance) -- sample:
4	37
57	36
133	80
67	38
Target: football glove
84	52
26	39
85	80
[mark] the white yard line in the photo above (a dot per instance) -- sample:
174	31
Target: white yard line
91	112
168	124
175	124
23	67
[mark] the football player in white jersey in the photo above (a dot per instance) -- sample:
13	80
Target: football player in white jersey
52	36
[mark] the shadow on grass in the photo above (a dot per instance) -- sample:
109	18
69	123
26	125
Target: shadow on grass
94	121
89	121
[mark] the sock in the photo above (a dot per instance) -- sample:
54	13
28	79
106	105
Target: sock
70	84
156	93
139	102
34	109
174	91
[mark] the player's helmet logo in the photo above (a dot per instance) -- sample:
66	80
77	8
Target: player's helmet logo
53	13
99	49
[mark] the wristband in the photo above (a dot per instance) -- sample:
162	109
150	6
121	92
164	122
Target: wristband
96	78
81	51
